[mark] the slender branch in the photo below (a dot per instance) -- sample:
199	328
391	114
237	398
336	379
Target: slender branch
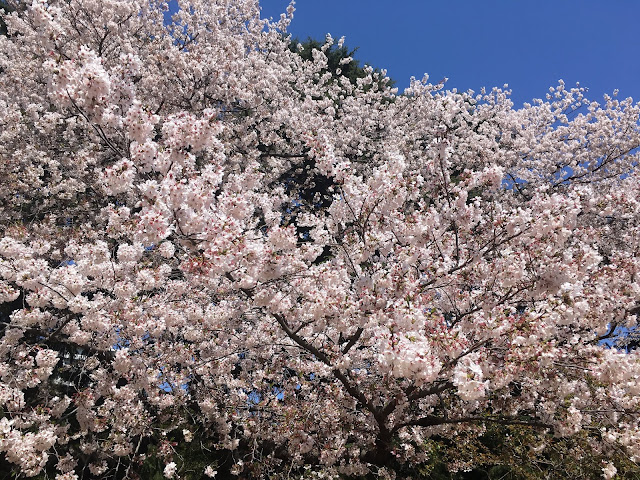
432	420
284	155
433	390
610	333
97	128
353	339
301	341
324	358
413	394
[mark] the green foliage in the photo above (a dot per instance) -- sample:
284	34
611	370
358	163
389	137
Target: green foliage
335	55
4	9
521	453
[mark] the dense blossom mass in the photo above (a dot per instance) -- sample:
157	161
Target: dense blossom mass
203	233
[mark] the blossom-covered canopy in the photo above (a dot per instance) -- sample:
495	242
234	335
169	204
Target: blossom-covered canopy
202	231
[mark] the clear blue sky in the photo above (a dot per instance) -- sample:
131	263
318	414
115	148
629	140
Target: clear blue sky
529	44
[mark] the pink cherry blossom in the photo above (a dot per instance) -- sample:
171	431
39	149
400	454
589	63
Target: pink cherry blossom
204	234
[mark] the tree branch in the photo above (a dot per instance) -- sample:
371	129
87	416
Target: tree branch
432	420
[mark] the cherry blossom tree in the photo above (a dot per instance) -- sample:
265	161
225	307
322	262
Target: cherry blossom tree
204	233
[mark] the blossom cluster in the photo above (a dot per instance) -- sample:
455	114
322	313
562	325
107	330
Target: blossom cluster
204	235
